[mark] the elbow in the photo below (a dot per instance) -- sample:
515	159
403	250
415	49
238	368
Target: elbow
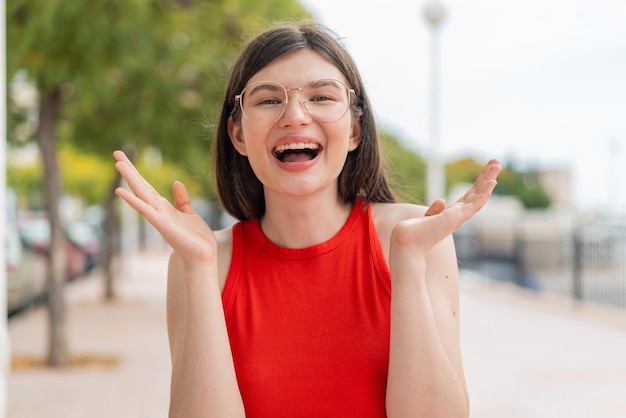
426	413
430	408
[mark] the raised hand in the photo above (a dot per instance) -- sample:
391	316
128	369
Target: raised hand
423	233
183	229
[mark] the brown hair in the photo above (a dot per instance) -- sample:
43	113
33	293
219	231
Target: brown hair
240	191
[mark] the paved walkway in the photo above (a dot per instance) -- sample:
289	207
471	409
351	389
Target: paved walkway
124	343
534	356
526	356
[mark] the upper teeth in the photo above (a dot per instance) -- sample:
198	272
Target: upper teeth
298	146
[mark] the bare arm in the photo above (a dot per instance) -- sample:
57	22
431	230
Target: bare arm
425	369
203	376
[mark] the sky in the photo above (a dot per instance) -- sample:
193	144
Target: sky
536	83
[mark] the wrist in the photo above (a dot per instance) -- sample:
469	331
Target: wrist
199	271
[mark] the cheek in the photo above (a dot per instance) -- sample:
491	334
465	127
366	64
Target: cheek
350	137
255	144
254	136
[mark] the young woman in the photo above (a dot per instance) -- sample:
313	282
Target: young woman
290	312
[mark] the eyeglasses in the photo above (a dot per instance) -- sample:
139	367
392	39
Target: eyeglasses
264	102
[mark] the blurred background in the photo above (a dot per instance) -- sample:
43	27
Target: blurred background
540	85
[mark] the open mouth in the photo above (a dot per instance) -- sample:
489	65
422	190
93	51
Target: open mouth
294	153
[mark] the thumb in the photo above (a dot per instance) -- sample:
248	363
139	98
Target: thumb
181	197
436	207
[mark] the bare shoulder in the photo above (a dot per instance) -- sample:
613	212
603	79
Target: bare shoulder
440	260
387	215
224	239
396	212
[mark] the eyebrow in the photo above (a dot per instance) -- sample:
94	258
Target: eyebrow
264	86
323	82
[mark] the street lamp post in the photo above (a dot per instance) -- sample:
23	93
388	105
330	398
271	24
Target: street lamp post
614	192
434	13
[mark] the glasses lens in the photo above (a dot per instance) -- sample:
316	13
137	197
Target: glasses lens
264	102
326	100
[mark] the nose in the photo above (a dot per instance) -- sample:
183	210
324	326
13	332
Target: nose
295	111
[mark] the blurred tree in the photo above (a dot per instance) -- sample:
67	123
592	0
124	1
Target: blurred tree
88	176
534	196
464	170
108	73
407	169
26	180
523	185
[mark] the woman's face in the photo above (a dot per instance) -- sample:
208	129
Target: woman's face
301	153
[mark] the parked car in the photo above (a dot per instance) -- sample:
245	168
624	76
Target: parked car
83	236
82	245
26	273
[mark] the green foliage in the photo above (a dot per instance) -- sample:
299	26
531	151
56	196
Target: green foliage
535	197
26	180
407	169
524	186
162	174
85	175
90	176
151	73
134	73
464	170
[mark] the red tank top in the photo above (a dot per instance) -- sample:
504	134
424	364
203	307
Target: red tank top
309	327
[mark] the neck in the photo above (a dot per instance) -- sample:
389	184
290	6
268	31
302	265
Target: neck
298	222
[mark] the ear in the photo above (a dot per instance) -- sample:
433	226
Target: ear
355	138
236	136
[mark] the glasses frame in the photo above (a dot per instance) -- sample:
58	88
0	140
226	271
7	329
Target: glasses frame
239	99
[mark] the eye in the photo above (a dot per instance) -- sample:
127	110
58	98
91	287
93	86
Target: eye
269	101
325	91
265	99
324	95
320	98
264	94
